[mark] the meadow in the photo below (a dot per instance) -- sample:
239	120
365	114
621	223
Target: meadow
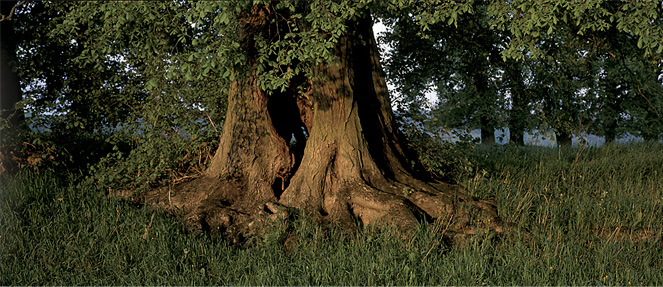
595	216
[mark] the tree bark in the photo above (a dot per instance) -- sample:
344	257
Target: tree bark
487	136
10	87
347	164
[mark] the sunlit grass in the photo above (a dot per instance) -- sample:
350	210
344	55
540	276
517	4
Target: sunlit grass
594	215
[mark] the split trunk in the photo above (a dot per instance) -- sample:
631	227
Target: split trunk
332	153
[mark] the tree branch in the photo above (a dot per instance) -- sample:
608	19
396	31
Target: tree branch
11	12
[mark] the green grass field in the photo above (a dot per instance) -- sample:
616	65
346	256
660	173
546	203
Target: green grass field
595	216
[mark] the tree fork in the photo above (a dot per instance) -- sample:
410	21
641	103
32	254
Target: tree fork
351	168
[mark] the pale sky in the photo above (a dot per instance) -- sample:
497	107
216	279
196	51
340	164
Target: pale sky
379	28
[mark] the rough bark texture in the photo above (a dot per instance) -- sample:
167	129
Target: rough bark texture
347	165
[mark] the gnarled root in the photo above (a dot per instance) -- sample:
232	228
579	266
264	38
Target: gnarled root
221	211
464	216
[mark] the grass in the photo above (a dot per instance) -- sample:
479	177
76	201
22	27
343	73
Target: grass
595	217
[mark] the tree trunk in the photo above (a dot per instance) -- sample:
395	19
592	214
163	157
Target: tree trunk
563	138
480	78
518	112
347	163
611	131
487	136
516	136
10	88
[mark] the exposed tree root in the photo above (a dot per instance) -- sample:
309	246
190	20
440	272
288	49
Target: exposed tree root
348	166
218	208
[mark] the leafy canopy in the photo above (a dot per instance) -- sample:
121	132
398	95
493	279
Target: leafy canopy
161	70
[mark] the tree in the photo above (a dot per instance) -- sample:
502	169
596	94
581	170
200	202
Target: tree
309	126
519	114
475	70
309	123
463	63
628	90
584	29
353	164
559	79
10	88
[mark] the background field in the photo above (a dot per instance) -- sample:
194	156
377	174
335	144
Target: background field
595	216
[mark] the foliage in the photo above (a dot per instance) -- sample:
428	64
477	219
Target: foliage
531	22
449	154
151	78
629	90
557	80
452	161
45	152
458	63
594	220
104	89
166	158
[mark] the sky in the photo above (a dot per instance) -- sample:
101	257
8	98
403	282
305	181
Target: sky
379	28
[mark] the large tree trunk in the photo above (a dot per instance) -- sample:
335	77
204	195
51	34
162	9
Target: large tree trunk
347	164
10	88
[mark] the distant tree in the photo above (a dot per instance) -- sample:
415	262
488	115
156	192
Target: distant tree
520	100
478	100
587	29
628	88
559	79
81	96
461	63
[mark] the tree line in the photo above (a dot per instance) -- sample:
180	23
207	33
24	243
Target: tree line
578	81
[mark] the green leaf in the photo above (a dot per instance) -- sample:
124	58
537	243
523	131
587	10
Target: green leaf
224	19
151	84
